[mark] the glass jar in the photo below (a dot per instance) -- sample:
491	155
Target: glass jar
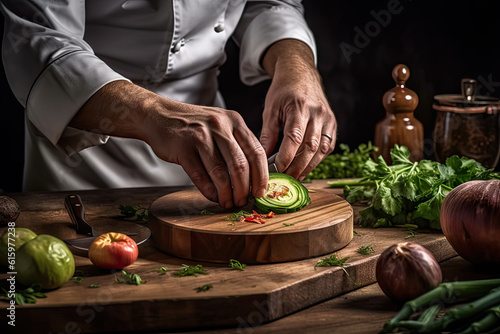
467	125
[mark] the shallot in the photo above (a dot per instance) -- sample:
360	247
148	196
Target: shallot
407	270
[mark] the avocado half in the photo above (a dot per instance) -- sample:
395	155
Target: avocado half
284	194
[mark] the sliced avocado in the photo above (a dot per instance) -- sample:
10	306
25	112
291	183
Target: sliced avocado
284	194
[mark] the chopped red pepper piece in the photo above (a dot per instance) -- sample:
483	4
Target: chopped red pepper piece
256	218
270	215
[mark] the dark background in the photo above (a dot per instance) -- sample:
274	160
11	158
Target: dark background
441	43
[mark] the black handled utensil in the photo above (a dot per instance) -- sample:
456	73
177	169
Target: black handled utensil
76	211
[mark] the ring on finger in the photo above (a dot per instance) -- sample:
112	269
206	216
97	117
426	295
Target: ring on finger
328	136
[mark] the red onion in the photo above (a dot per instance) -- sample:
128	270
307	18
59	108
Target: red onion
470	220
407	270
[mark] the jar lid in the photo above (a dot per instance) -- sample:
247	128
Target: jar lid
468	101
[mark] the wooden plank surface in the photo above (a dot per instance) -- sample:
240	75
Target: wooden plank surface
363	311
324	226
259	294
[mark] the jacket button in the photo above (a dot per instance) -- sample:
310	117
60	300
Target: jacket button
219	27
177	46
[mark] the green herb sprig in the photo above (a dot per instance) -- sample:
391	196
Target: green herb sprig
190	271
411	234
206	212
161	270
334	261
134	211
25	296
132	279
78	279
94	286
238	215
203	288
366	249
235	264
346	164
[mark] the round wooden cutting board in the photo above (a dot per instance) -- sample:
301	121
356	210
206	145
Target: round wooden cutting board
178	228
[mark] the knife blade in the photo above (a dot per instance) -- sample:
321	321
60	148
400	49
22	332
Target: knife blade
271	164
80	243
85	242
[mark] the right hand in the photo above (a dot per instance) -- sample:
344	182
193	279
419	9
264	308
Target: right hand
214	146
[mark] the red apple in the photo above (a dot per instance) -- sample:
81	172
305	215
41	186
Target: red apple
113	250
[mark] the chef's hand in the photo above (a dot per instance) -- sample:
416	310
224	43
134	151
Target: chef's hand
214	146
296	101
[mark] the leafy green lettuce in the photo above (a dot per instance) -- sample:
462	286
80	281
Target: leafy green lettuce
410	194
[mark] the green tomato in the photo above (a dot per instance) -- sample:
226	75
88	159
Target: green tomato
45	260
17	239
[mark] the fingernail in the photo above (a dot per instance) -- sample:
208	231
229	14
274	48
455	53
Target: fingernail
213	197
211	193
242	202
260	193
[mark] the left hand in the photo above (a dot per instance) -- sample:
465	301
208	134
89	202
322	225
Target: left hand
296	101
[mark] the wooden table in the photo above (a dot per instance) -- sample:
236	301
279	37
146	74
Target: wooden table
273	298
363	311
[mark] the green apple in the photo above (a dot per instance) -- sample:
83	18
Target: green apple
45	260
17	239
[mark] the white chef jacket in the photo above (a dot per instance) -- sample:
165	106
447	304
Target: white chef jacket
57	54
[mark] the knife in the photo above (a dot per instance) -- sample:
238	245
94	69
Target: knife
76	211
271	164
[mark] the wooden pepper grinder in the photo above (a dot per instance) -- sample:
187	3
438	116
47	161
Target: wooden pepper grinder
400	125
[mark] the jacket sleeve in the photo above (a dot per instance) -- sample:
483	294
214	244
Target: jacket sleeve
264	23
51	70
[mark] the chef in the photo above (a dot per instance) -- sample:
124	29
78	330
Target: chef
123	93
